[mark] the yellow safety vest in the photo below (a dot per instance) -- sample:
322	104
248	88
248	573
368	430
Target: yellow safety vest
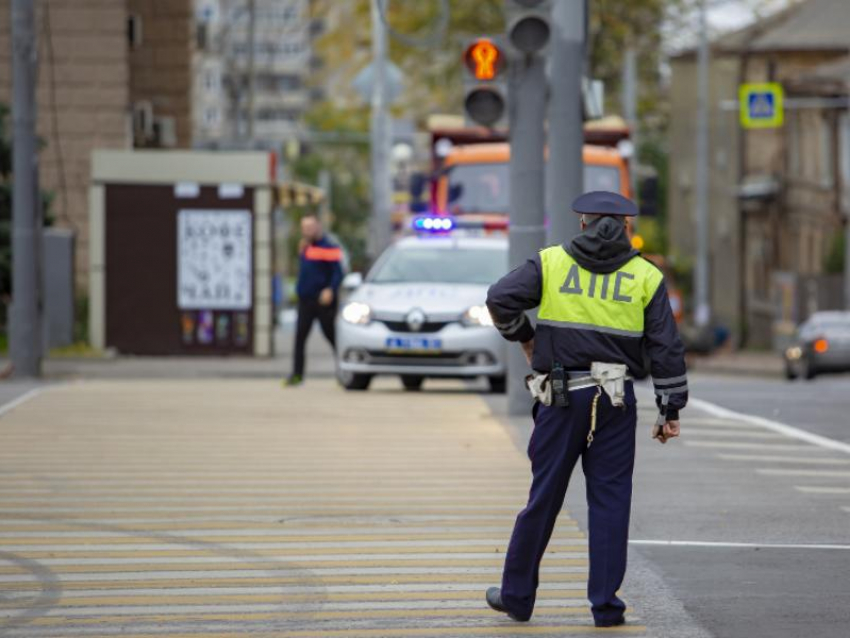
612	303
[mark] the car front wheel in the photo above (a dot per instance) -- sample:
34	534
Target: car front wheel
353	381
498	385
808	371
412	382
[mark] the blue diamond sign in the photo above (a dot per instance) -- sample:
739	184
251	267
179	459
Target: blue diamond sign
761	105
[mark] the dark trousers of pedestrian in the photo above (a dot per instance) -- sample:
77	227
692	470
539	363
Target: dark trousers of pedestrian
309	310
558	440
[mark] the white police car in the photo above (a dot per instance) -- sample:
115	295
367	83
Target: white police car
420	313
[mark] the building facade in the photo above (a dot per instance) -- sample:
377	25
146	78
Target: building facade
83	97
228	106
775	194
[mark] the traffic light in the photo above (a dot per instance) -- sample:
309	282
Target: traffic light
529	24
484	96
648	195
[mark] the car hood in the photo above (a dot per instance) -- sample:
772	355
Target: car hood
437	301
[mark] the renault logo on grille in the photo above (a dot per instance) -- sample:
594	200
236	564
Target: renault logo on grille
415	320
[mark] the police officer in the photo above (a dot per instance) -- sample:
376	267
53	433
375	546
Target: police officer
600	303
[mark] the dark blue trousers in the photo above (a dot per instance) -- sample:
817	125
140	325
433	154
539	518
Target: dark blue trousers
558	440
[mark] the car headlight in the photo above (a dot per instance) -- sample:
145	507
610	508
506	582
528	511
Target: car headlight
356	312
478	316
794	353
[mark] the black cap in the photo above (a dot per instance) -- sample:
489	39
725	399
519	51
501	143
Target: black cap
605	203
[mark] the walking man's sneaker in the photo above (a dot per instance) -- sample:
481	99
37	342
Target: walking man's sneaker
293	382
494	599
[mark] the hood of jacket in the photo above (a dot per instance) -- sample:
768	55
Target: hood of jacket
603	246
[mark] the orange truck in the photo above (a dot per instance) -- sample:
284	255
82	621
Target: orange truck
475	178
473	175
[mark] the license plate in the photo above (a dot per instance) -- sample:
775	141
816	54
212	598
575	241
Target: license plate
414	344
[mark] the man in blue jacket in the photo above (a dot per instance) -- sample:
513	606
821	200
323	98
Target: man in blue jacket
319	277
601	306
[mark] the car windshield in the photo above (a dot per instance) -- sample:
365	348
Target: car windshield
828	323
434	265
484	188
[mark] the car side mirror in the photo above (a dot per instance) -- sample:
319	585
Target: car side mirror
455	191
352	281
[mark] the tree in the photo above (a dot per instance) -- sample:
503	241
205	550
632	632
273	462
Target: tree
6	213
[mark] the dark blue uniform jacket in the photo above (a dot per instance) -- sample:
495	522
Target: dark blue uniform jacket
576	349
320	267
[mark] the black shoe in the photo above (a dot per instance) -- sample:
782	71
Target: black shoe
611	623
494	599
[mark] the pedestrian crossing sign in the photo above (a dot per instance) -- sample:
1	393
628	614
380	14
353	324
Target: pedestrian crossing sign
761	105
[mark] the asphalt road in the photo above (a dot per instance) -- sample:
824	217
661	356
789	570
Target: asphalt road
821	405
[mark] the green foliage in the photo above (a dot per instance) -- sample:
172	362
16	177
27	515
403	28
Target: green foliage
833	263
653	153
6	212
5	206
348	165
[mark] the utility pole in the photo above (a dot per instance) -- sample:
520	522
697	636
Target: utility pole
526	230
379	236
252	72
847	218
565	170
25	317
630	111
702	314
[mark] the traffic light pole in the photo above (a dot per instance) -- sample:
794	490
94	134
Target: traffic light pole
565	172
24	321
526	232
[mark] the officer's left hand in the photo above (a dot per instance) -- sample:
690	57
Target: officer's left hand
670	430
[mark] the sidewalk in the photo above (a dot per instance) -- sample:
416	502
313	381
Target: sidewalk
743	362
320	364
232	507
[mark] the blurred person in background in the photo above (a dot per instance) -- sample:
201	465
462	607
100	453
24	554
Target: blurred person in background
319	278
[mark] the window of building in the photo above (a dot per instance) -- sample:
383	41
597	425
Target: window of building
208	11
211	116
212	81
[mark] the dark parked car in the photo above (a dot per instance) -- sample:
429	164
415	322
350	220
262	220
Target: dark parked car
822	344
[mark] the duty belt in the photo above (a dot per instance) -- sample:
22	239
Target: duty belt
553	387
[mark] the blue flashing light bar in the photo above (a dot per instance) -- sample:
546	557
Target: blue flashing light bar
434	224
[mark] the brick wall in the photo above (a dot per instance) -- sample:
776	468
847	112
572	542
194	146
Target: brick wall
82	99
161	67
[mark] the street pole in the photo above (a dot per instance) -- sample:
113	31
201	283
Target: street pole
252	72
526	230
325	209
630	112
565	170
847	222
702	314
24	321
379	237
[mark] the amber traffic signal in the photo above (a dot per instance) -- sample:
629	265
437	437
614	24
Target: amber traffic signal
484	95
